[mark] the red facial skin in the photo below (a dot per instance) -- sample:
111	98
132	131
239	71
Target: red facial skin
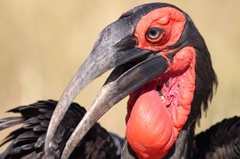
155	116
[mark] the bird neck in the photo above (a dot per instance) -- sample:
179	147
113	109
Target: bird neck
181	149
159	110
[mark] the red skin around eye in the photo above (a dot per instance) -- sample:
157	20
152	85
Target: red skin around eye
167	18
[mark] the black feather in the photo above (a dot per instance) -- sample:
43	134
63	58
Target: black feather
28	141
221	141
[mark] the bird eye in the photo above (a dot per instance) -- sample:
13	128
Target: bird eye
154	34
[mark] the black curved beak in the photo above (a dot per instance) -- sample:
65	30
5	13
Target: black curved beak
114	48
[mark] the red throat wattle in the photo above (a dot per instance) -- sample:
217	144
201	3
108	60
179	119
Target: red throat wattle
158	110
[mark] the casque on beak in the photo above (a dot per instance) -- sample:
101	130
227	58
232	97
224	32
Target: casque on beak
114	48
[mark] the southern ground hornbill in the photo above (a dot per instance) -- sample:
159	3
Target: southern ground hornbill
162	62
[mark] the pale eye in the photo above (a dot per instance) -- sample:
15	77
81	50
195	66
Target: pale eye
153	32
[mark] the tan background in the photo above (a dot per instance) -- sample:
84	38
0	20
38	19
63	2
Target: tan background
42	44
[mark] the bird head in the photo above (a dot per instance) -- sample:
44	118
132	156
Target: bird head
162	62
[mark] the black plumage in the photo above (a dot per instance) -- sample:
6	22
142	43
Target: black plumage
221	141
28	141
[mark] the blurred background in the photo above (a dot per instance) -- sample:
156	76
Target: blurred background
42	44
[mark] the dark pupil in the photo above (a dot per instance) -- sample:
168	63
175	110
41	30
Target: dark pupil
153	33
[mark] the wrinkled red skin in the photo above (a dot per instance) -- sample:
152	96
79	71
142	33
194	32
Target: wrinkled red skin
167	18
155	118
